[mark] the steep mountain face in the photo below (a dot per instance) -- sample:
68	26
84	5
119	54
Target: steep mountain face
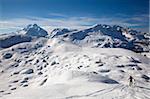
35	30
25	35
58	31
105	36
10	40
102	30
101	36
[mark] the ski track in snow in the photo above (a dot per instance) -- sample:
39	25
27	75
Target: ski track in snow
108	90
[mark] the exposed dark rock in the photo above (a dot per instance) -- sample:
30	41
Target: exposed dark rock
53	63
80	67
97	62
145	77
26	78
1	91
40	73
104	71
135	61
7	55
10	40
35	30
13	88
100	65
25	85
24	81
110	81
15	81
132	65
120	66
15	73
94	72
44	60
43	82
139	68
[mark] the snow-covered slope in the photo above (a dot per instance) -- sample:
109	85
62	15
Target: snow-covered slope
108	36
101	36
73	64
54	69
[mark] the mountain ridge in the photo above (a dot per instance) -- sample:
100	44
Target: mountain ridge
99	35
64	65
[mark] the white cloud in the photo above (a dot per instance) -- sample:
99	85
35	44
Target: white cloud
57	14
72	22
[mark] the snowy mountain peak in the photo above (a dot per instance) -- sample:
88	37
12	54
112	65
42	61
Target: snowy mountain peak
105	26
35	30
102	35
101	26
35	26
60	31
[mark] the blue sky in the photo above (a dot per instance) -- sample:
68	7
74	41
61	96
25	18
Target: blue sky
15	14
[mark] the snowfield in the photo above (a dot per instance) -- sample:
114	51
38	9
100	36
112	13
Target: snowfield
56	68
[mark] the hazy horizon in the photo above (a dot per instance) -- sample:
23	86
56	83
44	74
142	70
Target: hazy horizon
16	14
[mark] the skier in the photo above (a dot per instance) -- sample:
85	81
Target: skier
131	81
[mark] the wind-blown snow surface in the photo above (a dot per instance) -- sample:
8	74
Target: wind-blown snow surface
105	36
54	69
74	64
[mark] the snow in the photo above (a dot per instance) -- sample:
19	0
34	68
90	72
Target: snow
114	37
58	31
69	71
35	30
57	68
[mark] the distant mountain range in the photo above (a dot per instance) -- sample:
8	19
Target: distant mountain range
93	63
99	36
